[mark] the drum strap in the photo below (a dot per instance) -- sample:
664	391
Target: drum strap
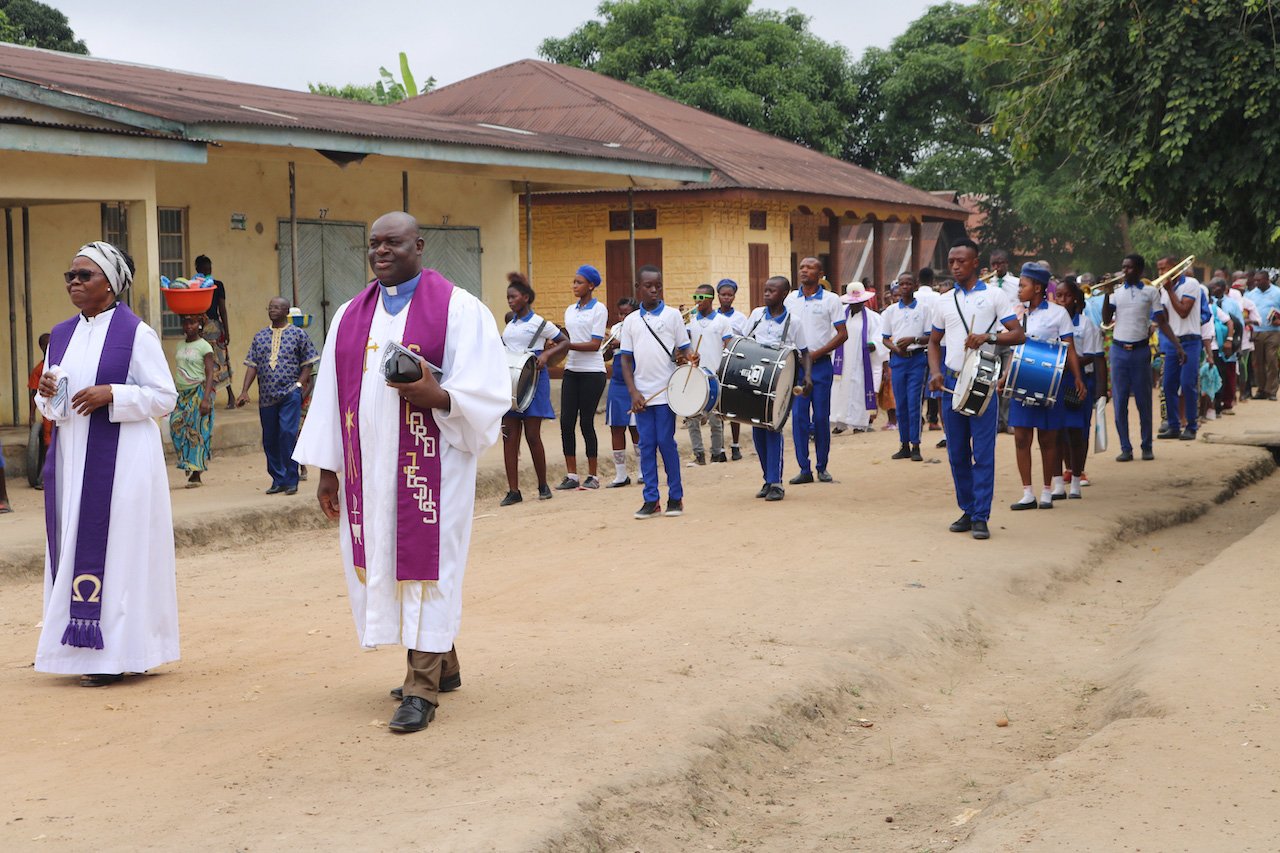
669	353
786	324
536	333
956	297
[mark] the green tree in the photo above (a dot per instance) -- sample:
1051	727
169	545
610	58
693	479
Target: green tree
761	68
34	24
387	90
1168	106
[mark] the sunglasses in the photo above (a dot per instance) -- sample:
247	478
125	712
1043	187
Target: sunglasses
84	276
699	297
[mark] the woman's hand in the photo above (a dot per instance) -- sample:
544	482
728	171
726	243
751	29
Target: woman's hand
206	405
89	400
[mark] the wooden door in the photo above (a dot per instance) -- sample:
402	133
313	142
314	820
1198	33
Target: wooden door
455	253
757	272
617	269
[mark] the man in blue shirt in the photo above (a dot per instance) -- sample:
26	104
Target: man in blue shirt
1266	335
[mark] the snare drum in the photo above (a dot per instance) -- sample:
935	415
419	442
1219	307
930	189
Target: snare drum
693	391
976	382
1035	373
523	367
756	383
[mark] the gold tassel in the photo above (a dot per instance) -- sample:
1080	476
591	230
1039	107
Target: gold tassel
360	575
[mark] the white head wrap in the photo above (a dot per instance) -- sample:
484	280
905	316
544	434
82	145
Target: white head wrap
111	261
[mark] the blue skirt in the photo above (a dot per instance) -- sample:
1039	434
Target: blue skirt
617	409
1082	418
1038	417
541	405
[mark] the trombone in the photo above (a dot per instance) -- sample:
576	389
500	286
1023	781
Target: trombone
1174	271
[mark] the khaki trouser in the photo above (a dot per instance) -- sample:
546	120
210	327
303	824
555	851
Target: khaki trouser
425	670
1265	353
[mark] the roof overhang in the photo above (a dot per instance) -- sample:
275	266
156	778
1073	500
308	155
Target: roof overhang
91	142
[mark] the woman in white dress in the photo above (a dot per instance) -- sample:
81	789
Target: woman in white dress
110	595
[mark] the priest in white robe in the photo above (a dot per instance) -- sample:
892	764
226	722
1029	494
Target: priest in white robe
398	461
110	594
862	363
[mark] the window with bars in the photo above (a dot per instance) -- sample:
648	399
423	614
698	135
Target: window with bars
172	228
620	220
758	220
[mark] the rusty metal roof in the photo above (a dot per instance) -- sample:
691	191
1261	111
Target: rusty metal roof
561	99
178	100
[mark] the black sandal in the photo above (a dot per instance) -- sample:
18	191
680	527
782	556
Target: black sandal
100	679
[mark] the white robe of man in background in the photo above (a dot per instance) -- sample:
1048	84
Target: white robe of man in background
848	403
418	616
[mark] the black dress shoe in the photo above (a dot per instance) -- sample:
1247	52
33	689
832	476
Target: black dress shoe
292	490
904	452
1147	456
513	497
801	478
1125	456
825	476
764	491
448	684
980	530
275	490
1166	436
915	453
413	715
619	484
963	524
775	494
735	453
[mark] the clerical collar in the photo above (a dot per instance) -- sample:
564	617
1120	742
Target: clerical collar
396	296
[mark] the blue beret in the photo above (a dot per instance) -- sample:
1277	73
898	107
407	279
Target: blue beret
1035	273
727	282
590	273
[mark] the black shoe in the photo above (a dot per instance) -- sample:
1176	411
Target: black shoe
904	452
775	494
566	485
649	510
1271	397
1045	504
801	478
825	476
1058	497
512	497
764	491
980	530
942	444
592	482
699	459
1166	435
619	484
544	492
413	715
1125	456
735	453
915	453
1021	505
963	524
275	490
448	684
674	508
1188	435
1147	456
719	457
293	490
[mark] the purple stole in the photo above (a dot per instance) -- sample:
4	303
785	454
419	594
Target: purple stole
418	466
93	525
837	363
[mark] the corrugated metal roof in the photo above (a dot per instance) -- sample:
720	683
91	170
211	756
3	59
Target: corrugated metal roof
97	128
550	98
195	99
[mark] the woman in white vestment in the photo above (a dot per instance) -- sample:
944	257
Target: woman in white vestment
110	594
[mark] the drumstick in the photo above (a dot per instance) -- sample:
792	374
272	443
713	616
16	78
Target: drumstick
651	399
690	376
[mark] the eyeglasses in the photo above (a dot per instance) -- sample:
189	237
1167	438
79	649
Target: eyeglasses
699	297
83	275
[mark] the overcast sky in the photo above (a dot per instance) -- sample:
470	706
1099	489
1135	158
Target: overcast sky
289	43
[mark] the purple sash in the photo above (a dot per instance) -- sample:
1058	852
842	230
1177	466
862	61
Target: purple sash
418	466
93	525
837	363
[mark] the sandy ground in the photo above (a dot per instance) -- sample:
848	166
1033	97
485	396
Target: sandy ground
826	673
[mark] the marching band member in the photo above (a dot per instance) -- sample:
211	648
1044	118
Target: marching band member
708	329
583	380
821	314
528	332
617	411
1132	308
1087	343
1049	323
773	323
965	319
906	326
1180	298
654	341
861	361
726	290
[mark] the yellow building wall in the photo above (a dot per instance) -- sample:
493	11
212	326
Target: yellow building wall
64	196
702	242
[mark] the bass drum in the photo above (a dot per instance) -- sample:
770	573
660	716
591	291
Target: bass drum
756	383
1035	373
523	367
35	454
976	382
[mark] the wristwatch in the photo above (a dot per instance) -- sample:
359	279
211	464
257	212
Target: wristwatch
991	337
297	385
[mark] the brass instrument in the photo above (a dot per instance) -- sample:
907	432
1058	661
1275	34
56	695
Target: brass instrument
1174	271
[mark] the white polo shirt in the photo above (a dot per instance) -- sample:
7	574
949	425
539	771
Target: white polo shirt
768	329
585	323
982	310
910	320
737	320
1136	306
522	335
1088	338
1009	284
819	314
1049	323
708	335
653	362
1190	324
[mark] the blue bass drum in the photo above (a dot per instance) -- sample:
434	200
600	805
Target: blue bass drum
1035	373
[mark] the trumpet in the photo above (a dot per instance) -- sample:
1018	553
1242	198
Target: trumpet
1108	284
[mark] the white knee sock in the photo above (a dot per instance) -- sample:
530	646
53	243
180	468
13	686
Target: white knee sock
1056	487
620	465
